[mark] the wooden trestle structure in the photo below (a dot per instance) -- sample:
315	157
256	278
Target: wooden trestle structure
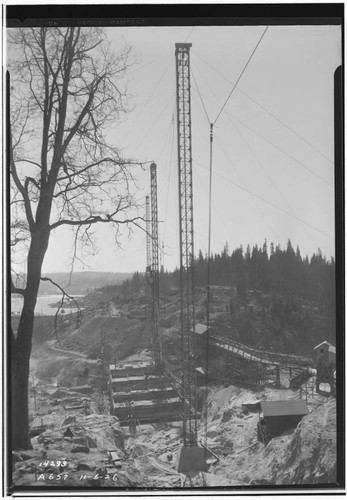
244	365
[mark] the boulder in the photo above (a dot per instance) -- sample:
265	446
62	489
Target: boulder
212	433
83	466
79	440
91	442
28	455
36	431
80	449
60	393
227	414
48	434
16	457
68	420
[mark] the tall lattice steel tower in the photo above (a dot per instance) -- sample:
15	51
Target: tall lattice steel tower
148	260
148	235
154	275
185	188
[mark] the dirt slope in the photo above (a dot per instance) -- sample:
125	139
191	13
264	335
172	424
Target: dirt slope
306	455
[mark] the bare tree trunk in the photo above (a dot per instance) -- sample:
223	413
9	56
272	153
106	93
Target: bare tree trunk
21	345
20	377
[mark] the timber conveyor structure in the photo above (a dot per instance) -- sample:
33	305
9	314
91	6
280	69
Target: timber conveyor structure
238	362
259	355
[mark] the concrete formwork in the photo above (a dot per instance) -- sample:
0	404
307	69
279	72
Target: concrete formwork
149	411
155	393
145	382
141	392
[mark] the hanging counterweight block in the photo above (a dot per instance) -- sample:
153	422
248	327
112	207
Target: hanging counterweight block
191	459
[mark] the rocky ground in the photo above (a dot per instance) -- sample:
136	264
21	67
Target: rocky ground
85	446
306	455
76	442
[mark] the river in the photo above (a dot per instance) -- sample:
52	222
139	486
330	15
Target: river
44	305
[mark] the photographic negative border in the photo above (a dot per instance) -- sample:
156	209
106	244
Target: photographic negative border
203	15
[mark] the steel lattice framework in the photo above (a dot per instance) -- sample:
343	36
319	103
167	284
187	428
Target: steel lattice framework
148	235
185	187
148	259
155	265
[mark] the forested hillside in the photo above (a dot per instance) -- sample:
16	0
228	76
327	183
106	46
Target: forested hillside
265	297
270	270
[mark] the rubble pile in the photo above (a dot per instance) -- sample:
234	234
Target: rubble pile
310	457
90	448
76	442
304	455
84	450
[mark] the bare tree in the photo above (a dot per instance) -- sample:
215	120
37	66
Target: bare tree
66	88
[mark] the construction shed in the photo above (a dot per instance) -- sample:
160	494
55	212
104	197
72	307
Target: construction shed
325	352
277	417
201	329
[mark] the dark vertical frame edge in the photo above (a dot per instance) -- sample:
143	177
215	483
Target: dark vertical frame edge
340	270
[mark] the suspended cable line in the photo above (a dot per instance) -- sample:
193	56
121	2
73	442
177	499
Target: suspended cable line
241	179
218	104
230	116
281	150
154	123
214	207
202	239
169	177
269	202
191	31
291	129
270	178
166	138
267	111
135	70
240	76
210	209
149	98
252	198
201	100
211	177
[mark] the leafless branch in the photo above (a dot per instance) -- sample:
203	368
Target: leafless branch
17	290
94	219
65	294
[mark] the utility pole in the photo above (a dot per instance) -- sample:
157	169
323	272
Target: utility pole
155	265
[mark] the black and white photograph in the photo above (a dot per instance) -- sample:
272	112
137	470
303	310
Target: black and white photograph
173	193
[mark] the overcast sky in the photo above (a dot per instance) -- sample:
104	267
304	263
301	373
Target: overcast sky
273	171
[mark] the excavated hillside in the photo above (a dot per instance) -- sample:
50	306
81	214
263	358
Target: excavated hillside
97	451
306	455
282	324
65	360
